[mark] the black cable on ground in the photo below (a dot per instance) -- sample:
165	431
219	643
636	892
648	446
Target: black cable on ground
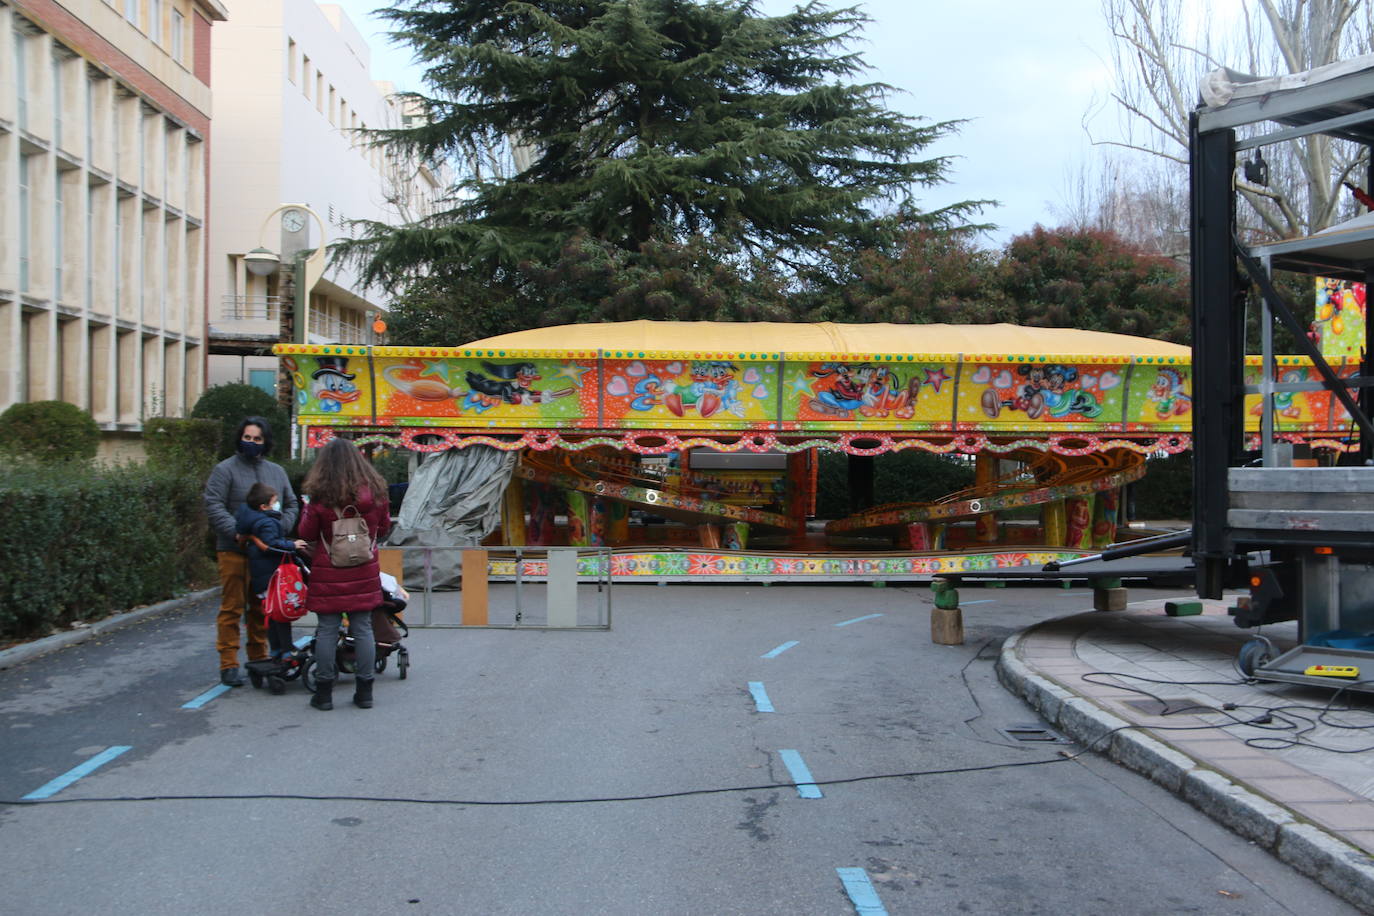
684	793
1288	718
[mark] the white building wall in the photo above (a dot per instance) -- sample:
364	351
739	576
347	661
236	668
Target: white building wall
104	119
292	82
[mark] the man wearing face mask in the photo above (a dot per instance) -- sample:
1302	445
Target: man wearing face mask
225	492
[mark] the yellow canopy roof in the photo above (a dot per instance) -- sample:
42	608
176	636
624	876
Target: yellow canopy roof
828	337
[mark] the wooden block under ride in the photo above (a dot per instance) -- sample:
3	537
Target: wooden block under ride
392	561
947	626
1109	599
474	612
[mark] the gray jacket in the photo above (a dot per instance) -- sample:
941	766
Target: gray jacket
228	486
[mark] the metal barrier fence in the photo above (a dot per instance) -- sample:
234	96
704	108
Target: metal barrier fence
478	603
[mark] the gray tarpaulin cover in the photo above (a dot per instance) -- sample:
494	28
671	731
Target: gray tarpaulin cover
454	500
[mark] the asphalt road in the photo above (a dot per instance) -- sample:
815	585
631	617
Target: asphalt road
509	773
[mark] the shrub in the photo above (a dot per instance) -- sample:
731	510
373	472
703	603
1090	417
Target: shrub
230	403
1166	491
189	445
49	432
83	543
909	476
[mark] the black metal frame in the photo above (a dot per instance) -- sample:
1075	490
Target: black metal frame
1340	108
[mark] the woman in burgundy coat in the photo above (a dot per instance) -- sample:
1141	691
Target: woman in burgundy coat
342	477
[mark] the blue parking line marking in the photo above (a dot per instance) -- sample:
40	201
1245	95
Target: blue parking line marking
845	623
800	774
207	696
761	700
861	893
779	650
57	785
300	643
980	601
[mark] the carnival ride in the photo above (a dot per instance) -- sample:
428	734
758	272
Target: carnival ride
623	427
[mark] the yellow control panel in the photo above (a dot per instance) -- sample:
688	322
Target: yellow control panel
1332	671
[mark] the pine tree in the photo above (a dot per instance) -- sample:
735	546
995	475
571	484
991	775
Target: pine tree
648	121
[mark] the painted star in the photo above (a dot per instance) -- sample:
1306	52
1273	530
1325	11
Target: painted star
800	383
935	377
572	372
437	368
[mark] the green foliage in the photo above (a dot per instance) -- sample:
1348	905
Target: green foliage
907	476
1166	490
230	403
82	543
923	276
50	432
1089	279
189	445
644	122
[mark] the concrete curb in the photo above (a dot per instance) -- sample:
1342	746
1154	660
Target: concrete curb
1328	860
17	655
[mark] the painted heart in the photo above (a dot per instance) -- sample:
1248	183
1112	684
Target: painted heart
751	375
1089	381
617	386
761	391
673	368
982	375
1109	380
636	370
1003	380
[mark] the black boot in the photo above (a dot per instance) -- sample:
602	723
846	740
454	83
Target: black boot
324	694
230	677
362	693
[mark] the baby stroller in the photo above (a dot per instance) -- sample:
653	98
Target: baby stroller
388	631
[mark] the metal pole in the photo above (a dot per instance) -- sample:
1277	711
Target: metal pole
429	581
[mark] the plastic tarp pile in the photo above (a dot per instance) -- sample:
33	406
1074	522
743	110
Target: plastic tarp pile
454	500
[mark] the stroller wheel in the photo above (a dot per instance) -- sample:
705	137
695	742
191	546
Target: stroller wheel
308	675
402	662
255	678
380	664
276	685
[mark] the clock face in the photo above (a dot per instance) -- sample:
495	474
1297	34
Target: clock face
293	221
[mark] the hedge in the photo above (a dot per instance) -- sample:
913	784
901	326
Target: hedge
83	543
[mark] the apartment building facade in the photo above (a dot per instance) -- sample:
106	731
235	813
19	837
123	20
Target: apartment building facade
104	151
293	93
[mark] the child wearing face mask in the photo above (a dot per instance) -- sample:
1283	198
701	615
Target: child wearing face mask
260	517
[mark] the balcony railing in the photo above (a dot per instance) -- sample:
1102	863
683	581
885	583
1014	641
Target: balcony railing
251	308
269	308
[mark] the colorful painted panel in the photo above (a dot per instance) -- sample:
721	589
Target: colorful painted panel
1160	398
859	394
334	387
783	393
700	564
1297	411
1338	321
714	392
1042	393
495	391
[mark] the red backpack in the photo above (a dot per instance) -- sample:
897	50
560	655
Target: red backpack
286	593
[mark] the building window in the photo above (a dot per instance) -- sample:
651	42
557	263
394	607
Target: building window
266	379
57	100
291	59
178	29
25	215
155	20
305	75
21	77
57	253
131	11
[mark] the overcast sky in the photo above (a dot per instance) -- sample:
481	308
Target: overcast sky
1023	74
